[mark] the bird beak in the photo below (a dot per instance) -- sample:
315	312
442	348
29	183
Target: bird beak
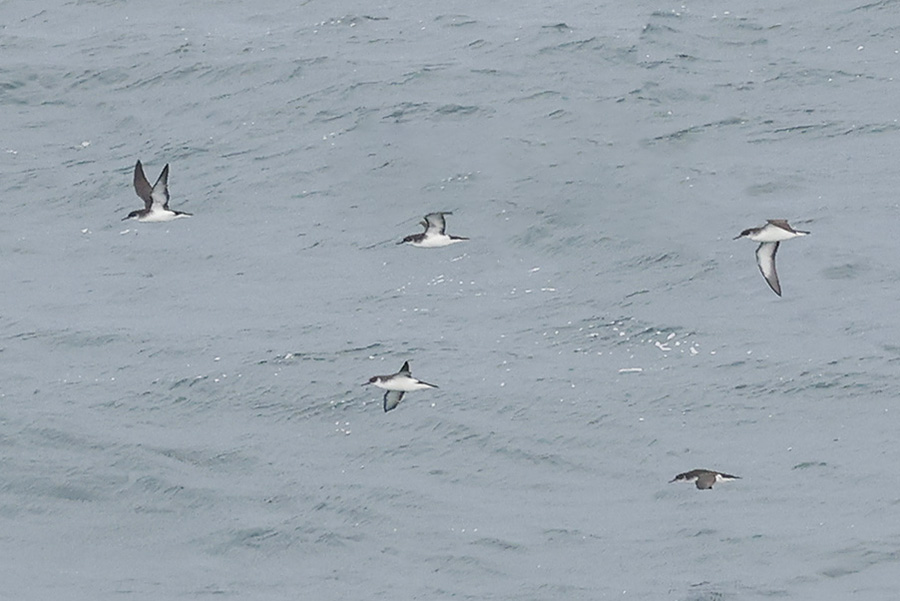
736	237
367	383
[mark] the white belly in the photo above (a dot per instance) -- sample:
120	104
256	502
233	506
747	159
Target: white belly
158	216
402	384
435	241
772	233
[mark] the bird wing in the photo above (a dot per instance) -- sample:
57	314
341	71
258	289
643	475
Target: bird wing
436	222
142	186
765	258
392	398
782	223
160	192
405	369
706	481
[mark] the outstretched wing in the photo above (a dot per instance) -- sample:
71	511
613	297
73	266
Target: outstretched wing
142	186
392	398
765	258
160	193
436	223
404	371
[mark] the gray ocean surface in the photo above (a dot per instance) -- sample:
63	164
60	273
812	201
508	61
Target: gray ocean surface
181	409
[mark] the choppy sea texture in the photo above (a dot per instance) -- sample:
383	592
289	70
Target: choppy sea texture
181	409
